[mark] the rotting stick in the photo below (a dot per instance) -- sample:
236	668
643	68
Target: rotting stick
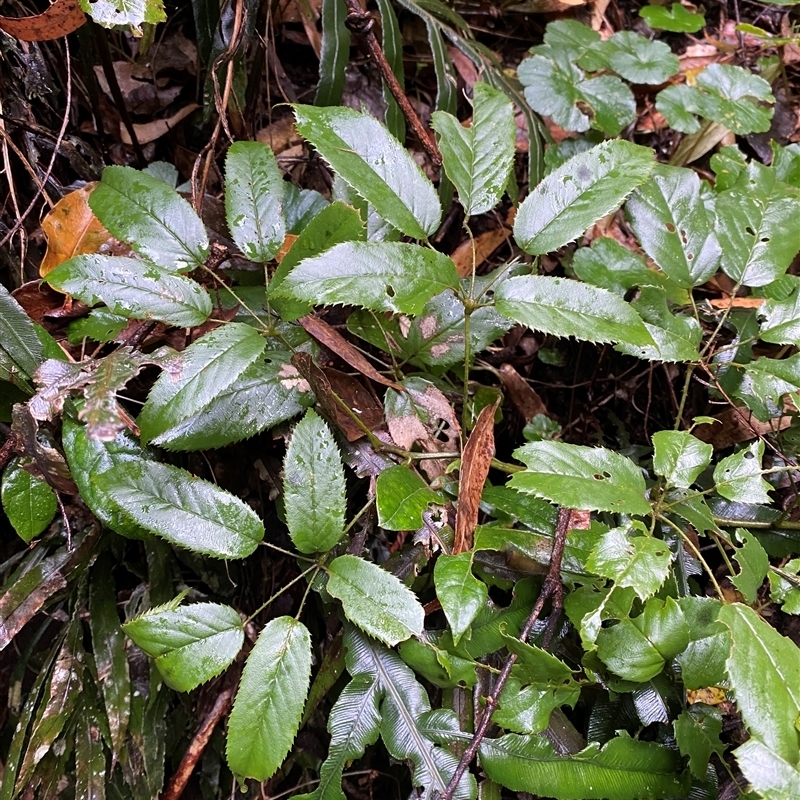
550	589
361	24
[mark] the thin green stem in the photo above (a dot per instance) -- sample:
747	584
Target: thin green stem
280	591
698	555
305	594
288	552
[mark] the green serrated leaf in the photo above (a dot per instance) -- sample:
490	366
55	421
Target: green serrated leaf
764	673
101	326
730	96
198	376
580	477
151	217
29	502
375	600
478	159
641	562
562	307
634	57
623	769
189	644
668	216
375	164
127	13
401	498
18	339
585	188
381	276
738	477
677	18
313	486
461	594
769	775
637	649
753	565
780	320
269	703
702	663
679	457
254	188
757	227
697	731
263	396
182	509
133	289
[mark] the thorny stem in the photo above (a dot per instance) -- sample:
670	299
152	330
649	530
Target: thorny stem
361	23
551	589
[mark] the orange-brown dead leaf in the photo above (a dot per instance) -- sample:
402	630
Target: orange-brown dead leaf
150	131
475	462
524	398
335	342
62	18
738	425
737	302
485	244
288	241
71	229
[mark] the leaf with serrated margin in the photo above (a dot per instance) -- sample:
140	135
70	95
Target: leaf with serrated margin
697	731
679	457
623	769
381	276
401	498
634	57
702	663
127	13
588	186
461	594
478	159
198	376
753	564
133	288
764	673
738	477
189	644
182	509
17	335
263	396
769	775
254	189
641	562
313	486
669	217
375	164
780	320
110	657
151	217
563	307
375	600
589	478
269	703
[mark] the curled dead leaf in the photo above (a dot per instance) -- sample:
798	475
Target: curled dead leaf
62	18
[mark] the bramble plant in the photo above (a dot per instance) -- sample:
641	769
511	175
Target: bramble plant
638	638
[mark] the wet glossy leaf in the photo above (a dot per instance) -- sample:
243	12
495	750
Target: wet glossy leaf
270	700
668	215
764	673
203	371
134	289
677	18
731	96
381	276
738	477
757	227
263	396
585	188
679	457
771	776
562	307
28	501
182	509
254	200
634	57
780	319
579	477
641	562
189	644
131	14
461	594
402	497
151	217
478	159
18	339
753	565
313	486
697	731
101	326
90	756
637	649
375	164
375	600
623	769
